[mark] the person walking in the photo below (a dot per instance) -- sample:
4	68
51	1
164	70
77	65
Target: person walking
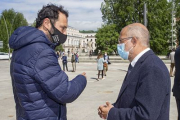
64	61
77	58
171	57
41	89
106	60
68	52
90	53
58	54
73	61
100	62
176	88
145	92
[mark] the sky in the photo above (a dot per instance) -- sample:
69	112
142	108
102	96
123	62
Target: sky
83	14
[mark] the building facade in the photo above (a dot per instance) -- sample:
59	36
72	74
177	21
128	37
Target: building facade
79	42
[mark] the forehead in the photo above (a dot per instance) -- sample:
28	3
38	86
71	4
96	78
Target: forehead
62	19
123	33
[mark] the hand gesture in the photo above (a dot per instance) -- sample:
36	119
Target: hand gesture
84	74
103	110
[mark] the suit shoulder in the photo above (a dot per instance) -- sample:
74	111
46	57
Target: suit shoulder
154	63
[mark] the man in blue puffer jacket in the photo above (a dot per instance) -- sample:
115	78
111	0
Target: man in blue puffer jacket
41	89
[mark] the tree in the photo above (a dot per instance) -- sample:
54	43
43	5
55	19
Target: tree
59	48
107	39
159	26
13	20
177	15
34	24
122	13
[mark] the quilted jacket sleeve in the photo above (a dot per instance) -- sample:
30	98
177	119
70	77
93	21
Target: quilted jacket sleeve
54	81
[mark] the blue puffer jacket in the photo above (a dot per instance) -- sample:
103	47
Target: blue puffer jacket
41	89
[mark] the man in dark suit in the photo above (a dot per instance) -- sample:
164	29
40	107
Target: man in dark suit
176	88
145	93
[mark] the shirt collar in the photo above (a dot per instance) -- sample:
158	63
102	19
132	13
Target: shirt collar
138	56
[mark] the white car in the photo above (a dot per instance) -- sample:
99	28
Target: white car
4	56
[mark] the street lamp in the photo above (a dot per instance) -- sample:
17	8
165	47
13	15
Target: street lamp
172	21
145	15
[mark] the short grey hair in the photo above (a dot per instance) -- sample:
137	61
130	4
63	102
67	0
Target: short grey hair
140	33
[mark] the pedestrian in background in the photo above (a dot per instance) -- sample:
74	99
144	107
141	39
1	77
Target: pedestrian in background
73	61
171	57
106	61
64	61
100	62
77	57
90	53
68	52
58	54
176	88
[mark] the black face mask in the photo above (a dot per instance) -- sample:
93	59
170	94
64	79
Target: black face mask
57	37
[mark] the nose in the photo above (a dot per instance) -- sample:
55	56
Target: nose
65	32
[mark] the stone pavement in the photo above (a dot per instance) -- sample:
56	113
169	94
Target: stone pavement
85	107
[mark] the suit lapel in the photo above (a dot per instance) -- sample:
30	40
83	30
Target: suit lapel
128	78
134	72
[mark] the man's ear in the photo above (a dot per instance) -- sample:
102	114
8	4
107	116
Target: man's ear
46	24
134	41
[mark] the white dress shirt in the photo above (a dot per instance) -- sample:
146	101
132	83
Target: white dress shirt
138	56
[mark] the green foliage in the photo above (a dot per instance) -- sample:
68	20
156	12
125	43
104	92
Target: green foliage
107	39
177	15
34	24
159	26
59	48
122	13
13	20
88	31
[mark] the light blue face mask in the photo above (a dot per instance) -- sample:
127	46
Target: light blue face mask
122	52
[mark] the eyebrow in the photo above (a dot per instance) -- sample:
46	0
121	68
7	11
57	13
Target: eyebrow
124	38
63	26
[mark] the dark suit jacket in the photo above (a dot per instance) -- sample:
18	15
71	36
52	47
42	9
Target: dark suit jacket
176	87
145	93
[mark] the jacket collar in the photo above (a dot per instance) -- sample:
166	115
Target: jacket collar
139	56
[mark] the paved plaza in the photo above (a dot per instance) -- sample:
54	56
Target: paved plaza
85	107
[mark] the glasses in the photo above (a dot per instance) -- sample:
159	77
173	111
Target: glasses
121	40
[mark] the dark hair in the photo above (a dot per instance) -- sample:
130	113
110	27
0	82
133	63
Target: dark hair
50	11
99	56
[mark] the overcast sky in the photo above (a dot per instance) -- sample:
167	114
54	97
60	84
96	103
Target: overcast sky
83	14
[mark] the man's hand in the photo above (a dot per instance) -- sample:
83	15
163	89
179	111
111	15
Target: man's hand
84	74
103	110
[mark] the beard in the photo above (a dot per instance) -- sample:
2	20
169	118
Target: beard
49	35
